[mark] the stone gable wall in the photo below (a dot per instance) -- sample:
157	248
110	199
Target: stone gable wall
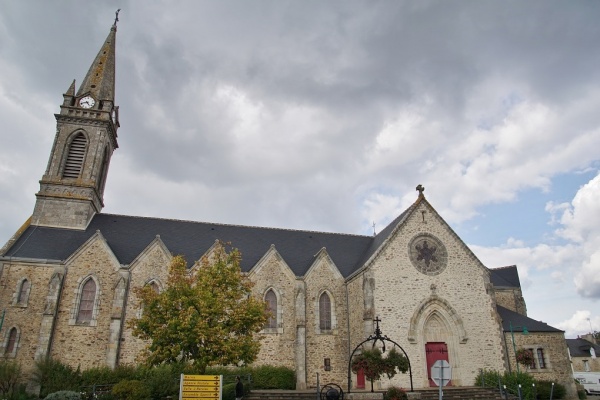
153	265
458	297
333	344
86	345
278	345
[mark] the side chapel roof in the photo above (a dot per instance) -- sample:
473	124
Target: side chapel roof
518	321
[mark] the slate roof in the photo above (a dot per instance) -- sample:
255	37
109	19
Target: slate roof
581	347
505	277
128	236
519	321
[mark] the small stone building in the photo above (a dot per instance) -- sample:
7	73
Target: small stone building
584	352
67	276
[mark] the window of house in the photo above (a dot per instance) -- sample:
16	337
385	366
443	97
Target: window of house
532	366
271	300
75	157
324	312
586	366
23	292
86	301
11	342
540	358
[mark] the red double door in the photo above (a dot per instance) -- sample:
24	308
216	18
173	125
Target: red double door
435	351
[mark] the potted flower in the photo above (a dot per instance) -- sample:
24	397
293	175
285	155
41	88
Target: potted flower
525	357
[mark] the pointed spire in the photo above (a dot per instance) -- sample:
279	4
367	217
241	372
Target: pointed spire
71	89
100	79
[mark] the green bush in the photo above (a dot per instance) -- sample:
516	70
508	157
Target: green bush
10	373
269	377
487	378
395	393
543	389
63	395
162	381
528	392
130	390
581	395
107	375
53	376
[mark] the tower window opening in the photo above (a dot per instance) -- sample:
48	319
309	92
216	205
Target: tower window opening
74	163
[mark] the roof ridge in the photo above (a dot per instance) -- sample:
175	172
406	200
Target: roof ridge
505	267
234	225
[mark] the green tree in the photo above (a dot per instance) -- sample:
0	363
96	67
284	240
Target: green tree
374	365
205	316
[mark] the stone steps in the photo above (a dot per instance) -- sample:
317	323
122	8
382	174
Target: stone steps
461	393
452	393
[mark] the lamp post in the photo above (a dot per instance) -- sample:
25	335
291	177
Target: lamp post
512	335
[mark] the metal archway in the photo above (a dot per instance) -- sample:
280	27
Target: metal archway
377	336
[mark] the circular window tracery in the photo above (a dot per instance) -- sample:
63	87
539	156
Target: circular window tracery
428	254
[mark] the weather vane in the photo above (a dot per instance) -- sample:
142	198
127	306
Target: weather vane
116	17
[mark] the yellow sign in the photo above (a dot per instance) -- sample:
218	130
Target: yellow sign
200	387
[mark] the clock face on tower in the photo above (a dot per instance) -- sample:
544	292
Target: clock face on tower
428	254
87	102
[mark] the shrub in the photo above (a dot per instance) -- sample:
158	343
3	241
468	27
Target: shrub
53	376
488	378
10	372
130	390
395	393
581	395
161	381
229	391
269	377
543	389
107	375
64	395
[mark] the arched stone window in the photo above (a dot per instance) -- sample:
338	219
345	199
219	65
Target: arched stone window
271	300
75	156
11	342
21	295
325	313
86	303
154	286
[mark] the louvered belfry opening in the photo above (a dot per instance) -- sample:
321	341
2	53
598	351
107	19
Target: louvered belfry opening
74	163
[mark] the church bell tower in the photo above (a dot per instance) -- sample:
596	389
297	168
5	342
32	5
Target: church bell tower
72	188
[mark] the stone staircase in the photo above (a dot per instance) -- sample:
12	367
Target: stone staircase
461	393
450	393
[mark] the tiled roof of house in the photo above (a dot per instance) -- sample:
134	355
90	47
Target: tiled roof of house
518	321
581	347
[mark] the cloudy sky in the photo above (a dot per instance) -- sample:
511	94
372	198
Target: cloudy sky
326	115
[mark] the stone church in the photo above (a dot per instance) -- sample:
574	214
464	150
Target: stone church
67	275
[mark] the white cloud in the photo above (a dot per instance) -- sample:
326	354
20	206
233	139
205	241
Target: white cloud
580	323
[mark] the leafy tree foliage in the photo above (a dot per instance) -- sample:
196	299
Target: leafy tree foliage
206	316
10	374
374	365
